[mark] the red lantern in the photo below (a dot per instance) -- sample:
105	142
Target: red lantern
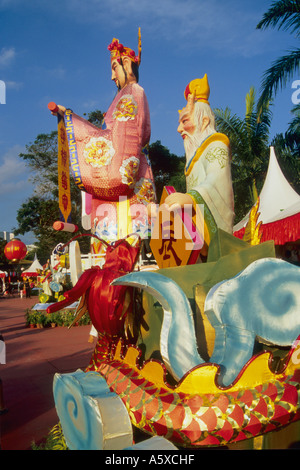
15	250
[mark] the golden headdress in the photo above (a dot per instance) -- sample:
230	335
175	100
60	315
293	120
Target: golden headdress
199	88
117	50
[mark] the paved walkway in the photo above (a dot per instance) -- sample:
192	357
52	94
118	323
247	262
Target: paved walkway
33	356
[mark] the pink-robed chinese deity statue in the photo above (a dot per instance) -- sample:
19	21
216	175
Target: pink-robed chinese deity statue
111	166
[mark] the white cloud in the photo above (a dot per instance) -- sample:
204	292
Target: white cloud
228	27
58	73
91	104
13	85
13	173
7	54
15	186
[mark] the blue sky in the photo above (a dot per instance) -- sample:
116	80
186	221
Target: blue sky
57	51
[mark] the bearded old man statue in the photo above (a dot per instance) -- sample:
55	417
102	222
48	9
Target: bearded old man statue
208	163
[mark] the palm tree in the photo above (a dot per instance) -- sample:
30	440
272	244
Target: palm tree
285	14
249	140
287	147
294	126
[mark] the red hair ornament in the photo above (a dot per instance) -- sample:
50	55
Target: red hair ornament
117	50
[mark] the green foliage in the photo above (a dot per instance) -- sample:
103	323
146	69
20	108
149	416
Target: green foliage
30	317
250	147
38	213
61	318
54	441
4	263
41	159
57	319
168	169
294	127
249	140
287	152
276	77
96	117
41	319
287	148
284	14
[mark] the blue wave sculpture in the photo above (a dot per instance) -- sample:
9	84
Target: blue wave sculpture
262	301
87	411
178	343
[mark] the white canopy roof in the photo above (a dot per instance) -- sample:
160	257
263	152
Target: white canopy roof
34	267
277	199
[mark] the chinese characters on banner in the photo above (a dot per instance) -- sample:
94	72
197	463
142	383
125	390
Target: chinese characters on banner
63	173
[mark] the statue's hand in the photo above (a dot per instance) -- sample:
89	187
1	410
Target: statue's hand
177	201
56	109
152	210
61	109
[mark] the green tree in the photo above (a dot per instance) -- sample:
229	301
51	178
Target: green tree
168	168
38	212
41	159
294	126
96	117
249	140
4	263
284	14
37	215
287	148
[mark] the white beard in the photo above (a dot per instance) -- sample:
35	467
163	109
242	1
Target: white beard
192	142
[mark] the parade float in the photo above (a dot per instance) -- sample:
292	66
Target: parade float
216	360
192	352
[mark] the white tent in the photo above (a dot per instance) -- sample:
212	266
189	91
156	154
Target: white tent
279	208
33	269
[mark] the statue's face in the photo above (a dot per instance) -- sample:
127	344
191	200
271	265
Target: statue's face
186	123
118	74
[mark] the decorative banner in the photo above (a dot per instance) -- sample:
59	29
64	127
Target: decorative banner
63	172
69	126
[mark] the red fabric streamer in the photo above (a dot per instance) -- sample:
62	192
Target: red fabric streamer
281	231
104	302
